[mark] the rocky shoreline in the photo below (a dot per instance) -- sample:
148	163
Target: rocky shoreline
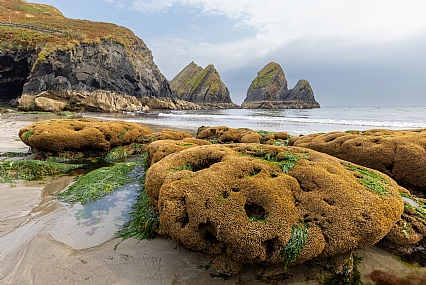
209	153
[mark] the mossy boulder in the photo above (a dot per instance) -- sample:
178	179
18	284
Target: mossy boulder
408	235
169	134
223	134
81	135
401	154
270	205
158	150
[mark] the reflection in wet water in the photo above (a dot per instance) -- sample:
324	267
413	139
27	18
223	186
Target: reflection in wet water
92	224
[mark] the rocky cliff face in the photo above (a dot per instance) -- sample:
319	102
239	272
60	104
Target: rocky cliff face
202	86
76	59
269	90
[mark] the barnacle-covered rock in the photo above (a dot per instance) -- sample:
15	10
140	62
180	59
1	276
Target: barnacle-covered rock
274	205
400	154
81	135
223	134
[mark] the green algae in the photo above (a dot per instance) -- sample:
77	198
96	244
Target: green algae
32	169
291	251
144	221
371	180
98	183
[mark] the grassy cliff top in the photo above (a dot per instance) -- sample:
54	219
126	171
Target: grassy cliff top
266	75
60	31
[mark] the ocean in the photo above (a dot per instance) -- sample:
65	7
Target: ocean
292	121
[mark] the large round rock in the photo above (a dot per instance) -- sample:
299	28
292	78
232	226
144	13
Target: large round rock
252	203
81	135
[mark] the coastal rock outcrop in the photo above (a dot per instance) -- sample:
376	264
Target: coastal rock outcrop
259	204
75	59
398	153
269	90
202	86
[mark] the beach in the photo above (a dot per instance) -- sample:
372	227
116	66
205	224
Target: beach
33	247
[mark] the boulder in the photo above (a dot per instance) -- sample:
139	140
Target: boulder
159	149
81	135
223	134
261	204
401	154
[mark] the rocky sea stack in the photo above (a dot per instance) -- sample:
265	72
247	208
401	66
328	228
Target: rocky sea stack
57	63
269	91
202	86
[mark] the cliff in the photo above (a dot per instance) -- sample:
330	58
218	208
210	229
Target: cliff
44	53
202	86
269	90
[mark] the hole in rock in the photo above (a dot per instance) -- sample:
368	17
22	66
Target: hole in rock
184	220
235	189
208	232
255	211
205	163
272	246
390	167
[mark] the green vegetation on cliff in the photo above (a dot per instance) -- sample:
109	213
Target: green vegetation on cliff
45	28
265	75
193	79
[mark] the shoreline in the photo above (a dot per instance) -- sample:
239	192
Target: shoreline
30	255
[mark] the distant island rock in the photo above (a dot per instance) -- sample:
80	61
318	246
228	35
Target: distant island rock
202	86
269	90
52	63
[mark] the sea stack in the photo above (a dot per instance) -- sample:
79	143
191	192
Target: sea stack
269	90
202	86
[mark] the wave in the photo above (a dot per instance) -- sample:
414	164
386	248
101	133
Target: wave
301	120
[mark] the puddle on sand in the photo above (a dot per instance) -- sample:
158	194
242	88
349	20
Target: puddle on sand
97	222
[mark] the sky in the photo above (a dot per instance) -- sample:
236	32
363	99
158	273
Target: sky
353	53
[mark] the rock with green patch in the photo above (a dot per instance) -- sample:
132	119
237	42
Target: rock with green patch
201	86
398	153
89	136
272	205
269	91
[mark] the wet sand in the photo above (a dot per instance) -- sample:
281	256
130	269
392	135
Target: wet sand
34	248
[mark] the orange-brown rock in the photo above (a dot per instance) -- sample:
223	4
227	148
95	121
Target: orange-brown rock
409	233
241	203
223	134
169	134
399	154
81	135
157	150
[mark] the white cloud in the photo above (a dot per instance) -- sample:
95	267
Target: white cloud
314	26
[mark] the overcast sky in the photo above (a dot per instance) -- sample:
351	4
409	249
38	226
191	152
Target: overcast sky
354	53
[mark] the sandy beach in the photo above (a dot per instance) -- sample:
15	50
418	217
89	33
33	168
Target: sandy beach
41	243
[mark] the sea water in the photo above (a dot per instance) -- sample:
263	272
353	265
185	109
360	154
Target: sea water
293	121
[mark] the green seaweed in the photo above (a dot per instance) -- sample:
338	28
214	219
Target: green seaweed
291	251
120	136
187	166
144	221
32	169
14	154
347	278
98	183
116	154
370	179
28	134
